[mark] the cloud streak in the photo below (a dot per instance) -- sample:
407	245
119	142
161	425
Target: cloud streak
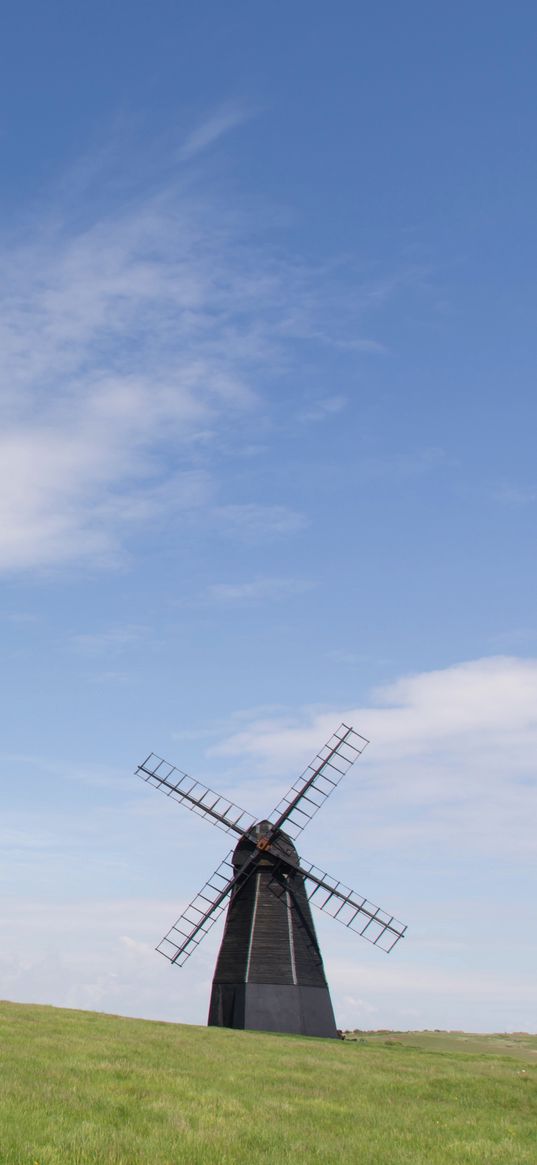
258	590
256	523
222	121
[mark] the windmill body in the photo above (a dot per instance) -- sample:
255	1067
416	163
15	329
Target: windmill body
269	974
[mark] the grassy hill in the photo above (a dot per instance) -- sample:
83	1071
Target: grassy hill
79	1088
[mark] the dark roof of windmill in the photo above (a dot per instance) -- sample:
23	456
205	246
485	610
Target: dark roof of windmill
280	847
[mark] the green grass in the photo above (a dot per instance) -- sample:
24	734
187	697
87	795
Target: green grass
79	1088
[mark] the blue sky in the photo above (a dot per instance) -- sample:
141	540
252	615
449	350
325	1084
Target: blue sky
267	363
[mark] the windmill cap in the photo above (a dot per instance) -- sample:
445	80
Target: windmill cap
280	847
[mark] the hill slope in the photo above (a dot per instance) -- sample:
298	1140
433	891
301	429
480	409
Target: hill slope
80	1088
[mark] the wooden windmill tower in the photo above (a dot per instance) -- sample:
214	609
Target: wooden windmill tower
269	974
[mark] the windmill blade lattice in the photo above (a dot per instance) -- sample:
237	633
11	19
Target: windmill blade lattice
205	802
200	915
349	908
269	974
318	781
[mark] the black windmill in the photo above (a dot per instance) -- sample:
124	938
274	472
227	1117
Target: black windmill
269	974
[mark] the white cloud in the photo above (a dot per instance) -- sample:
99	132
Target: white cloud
417	995
452	758
496	695
220	122
98	954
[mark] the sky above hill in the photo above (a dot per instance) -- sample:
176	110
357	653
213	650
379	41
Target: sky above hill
267	462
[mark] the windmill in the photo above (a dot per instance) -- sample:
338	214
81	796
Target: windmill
269	974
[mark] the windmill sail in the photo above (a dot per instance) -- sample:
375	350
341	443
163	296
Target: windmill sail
183	788
200	915
318	781
353	911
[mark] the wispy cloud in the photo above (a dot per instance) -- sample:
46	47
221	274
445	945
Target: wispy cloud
224	119
403	465
130	338
125	346
516	638
258	590
516	495
254	522
115	350
112	641
322	409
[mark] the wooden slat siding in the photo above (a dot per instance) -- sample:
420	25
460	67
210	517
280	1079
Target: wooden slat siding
233	955
308	960
269	950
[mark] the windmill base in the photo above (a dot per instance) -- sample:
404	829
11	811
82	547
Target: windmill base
273	1007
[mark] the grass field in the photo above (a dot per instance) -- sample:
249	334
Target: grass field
80	1088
